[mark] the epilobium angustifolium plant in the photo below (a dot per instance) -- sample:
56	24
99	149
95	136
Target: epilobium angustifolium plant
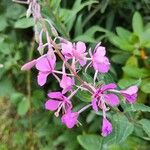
75	57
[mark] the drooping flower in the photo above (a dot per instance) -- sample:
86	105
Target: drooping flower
70	119
99	61
58	102
44	64
130	94
66	83
106	127
76	51
101	96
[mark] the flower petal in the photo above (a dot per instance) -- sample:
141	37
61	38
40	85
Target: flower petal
100	51
66	83
67	49
42	77
108	86
70	119
111	99
131	90
28	65
43	64
56	95
94	104
81	47
52	105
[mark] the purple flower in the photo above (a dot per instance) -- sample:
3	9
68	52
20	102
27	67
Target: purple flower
70	119
66	83
76	51
130	94
100	61
100	97
58	102
44	64
106	127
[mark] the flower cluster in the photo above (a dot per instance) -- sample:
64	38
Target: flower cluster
75	57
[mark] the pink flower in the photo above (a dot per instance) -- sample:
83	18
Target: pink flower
130	94
100	61
100	97
76	51
66	83
58	102
44	64
106	127
70	119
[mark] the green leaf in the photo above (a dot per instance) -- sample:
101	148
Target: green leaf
145	87
78	26
137	23
16	97
120	43
3	23
23	106
125	82
146	125
6	87
90	142
132	61
123	33
24	23
120	58
136	72
84	96
137	107
89	35
122	128
87	77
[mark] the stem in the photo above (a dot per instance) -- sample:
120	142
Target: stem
84	108
29	88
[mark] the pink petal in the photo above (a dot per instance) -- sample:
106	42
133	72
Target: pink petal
70	119
83	62
42	77
108	86
101	64
43	64
100	51
81	47
111	99
94	104
56	95
28	65
52	105
67	49
46	63
66	83
131	90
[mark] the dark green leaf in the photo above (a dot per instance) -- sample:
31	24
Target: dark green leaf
90	142
137	23
23	106
138	107
24	23
84	96
146	125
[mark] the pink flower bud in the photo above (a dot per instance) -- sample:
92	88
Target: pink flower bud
130	94
106	127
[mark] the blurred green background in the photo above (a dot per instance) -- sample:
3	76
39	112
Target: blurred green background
123	26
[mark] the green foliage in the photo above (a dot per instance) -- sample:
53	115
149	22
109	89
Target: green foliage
24	23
